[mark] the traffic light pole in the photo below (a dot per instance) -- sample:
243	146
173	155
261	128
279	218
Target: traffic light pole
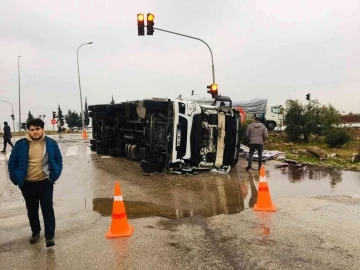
212	58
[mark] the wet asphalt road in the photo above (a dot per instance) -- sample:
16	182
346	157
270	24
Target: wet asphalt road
178	219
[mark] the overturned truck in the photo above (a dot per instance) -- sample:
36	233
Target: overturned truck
168	134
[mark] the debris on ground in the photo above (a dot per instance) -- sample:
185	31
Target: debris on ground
317	151
266	155
355	157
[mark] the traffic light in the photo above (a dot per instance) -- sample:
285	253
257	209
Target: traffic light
213	90
54	115
13	117
150	24
140	23
308	97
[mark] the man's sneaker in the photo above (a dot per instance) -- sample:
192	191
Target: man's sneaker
247	168
50	242
34	238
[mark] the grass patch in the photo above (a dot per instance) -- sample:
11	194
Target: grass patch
297	150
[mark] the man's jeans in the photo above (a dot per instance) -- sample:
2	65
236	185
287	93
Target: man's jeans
7	141
259	148
35	192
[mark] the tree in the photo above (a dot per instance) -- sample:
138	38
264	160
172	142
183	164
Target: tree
30	117
73	119
306	120
86	112
60	116
112	100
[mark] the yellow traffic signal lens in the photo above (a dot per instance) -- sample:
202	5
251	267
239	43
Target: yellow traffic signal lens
150	17
140	17
214	87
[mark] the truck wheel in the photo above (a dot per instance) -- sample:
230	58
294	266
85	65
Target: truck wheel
151	167
134	152
102	151
91	114
271	125
127	150
93	147
100	108
116	107
155	105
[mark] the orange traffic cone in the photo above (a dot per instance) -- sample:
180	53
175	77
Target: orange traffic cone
264	202
119	225
84	134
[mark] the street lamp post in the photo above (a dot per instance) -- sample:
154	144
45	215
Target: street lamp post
82	111
12	109
19	94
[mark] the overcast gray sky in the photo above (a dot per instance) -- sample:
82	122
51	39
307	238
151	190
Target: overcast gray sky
277	49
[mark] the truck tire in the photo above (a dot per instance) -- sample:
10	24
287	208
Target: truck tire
91	114
93	147
116	152
155	105
116	107
134	152
151	167
102	151
100	108
270	125
91	108
127	150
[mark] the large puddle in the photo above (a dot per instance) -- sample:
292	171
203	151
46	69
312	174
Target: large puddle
209	194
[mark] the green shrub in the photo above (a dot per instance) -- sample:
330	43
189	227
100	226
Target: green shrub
337	137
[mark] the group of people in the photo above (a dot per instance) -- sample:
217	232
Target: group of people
35	164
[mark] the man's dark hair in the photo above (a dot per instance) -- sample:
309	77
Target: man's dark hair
257	118
5	123
36	122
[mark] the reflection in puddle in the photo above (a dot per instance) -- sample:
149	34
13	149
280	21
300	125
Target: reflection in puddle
298	174
209	194
206	196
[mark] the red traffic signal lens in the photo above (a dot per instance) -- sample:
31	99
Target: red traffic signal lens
150	17
140	17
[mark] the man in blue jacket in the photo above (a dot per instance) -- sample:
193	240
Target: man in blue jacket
34	165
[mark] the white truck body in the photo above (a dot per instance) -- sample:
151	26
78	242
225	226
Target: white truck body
274	114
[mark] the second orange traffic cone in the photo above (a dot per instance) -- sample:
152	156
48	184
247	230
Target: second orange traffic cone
119	224
84	134
264	202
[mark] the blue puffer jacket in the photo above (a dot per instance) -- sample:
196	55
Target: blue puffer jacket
19	159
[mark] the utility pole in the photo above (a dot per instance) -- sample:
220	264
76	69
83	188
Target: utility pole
19	94
82	111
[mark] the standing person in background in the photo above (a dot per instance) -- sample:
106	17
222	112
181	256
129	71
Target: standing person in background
7	137
59	126
257	134
34	165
